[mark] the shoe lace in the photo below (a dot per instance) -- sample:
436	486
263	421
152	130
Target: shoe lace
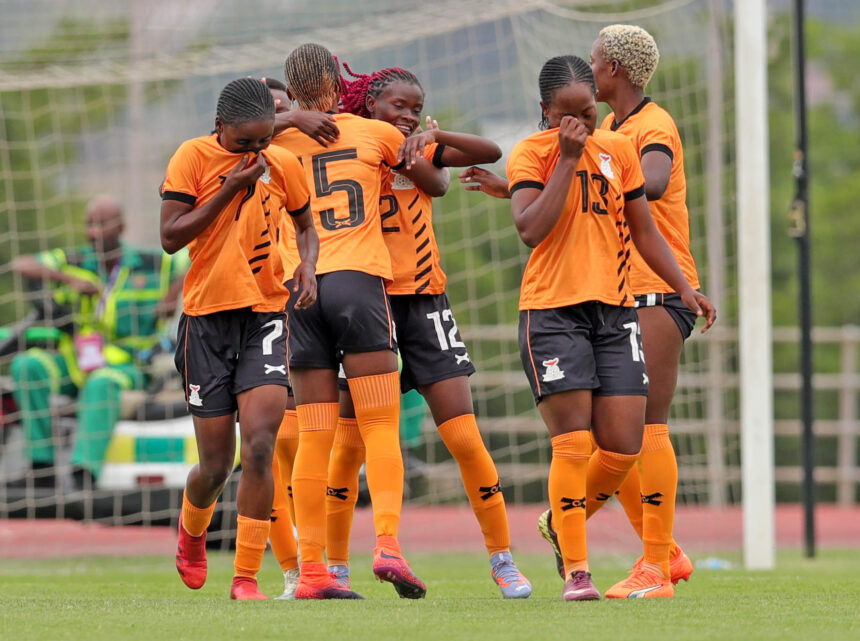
508	573
640	578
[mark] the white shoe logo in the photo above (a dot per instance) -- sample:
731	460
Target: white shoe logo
275	368
605	166
553	373
645	379
462	358
194	395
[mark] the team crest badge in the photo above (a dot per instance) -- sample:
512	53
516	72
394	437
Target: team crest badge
401	182
552	373
194	395
267	176
606	166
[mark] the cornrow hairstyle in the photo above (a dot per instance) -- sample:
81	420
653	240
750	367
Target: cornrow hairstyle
634	49
244	100
559	72
313	77
355	92
274	83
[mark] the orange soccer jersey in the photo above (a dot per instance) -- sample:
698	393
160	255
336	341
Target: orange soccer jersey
407	226
650	128
345	180
233	262
584	257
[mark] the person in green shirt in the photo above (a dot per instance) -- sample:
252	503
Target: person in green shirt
116	298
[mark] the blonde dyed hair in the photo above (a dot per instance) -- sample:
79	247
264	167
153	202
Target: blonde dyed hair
634	49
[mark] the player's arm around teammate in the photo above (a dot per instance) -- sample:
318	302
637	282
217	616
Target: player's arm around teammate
350	324
435	359
222	196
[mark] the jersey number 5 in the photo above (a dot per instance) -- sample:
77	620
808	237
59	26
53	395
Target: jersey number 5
354	193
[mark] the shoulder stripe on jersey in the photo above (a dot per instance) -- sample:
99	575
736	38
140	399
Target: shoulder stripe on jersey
422	245
421	231
615	125
527	184
262	245
188	199
300	210
414	200
437	156
417	216
657	146
634	193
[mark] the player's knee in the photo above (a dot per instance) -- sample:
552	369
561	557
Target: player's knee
214	472
257	454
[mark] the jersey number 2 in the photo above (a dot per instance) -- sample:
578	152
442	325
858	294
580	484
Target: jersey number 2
354	193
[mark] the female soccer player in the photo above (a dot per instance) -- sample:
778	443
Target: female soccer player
435	360
350	322
222	196
578	198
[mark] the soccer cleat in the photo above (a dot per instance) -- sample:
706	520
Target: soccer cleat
245	588
680	566
641	584
546	531
510	580
580	587
316	582
191	558
341	573
291	580
389	565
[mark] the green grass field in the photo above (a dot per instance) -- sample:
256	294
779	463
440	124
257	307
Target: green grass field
142	598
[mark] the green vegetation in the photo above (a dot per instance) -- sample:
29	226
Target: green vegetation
142	598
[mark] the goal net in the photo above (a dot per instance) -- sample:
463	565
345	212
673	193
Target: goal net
96	95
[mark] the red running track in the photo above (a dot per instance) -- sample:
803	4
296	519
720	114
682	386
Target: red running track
445	529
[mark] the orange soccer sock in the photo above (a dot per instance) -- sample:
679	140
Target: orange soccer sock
347	455
606	472
310	473
281	532
195	519
658	472
630	497
377	409
286	446
251	537
567	474
480	478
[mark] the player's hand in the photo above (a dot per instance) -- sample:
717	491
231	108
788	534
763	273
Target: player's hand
305	281
245	173
477	179
320	126
412	149
572	135
82	286
699	303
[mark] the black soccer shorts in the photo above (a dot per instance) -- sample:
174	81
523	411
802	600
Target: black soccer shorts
223	354
684	317
590	345
351	315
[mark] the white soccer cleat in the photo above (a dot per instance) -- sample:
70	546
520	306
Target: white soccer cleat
291	581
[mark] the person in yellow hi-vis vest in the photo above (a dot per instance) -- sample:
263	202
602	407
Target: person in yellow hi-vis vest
117	298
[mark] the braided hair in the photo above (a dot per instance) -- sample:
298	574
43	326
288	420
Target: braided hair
559	72
244	100
356	92
313	77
